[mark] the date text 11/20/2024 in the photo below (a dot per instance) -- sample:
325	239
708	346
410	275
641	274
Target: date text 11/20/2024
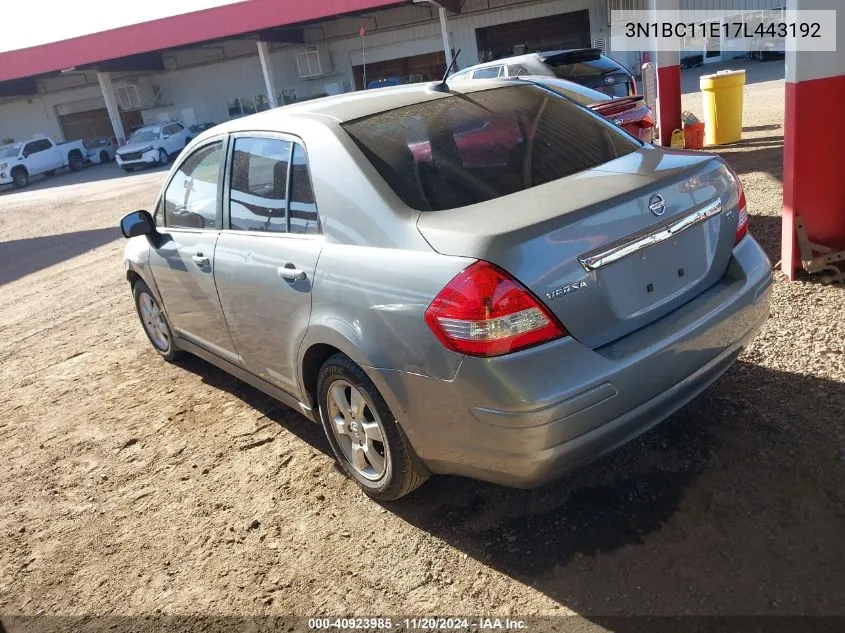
419	624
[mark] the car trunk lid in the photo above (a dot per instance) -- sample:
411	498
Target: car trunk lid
610	249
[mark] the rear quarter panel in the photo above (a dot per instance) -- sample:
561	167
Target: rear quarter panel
370	303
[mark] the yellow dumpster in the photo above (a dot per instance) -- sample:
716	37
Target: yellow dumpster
723	106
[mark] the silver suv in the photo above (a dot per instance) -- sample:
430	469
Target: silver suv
488	280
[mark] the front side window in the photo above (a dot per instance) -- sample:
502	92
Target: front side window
303	207
190	200
37	146
483	145
258	198
517	71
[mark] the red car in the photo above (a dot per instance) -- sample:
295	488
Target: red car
630	113
487	142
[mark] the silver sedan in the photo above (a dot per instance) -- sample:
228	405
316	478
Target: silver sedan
486	280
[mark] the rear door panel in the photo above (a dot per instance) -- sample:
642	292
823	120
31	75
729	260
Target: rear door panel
266	312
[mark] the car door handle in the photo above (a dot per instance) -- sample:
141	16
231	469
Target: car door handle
200	259
294	274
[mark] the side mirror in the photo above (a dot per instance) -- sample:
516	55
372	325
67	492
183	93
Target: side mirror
137	223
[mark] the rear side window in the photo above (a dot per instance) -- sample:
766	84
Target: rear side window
258	198
303	207
469	148
190	200
487	73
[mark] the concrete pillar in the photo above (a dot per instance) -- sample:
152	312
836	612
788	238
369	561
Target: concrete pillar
111	106
813	150
668	65
267	71
444	32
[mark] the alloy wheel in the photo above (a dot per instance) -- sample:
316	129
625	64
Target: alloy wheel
154	323
357	429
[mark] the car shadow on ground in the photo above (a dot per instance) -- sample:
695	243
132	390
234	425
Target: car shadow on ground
696	516
19	258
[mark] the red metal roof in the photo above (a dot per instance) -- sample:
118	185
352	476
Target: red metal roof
179	30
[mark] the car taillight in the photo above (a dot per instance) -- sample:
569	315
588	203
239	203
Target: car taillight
742	225
484	311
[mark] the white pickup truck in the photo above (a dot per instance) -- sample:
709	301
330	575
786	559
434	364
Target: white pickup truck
21	161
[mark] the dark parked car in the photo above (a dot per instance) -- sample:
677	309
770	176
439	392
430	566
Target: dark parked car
585	66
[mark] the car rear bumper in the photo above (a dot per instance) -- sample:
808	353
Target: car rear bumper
525	418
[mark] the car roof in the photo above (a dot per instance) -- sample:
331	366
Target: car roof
543	56
353	105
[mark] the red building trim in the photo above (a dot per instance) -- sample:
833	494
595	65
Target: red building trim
179	30
813	158
669	101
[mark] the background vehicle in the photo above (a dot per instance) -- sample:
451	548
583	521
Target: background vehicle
630	113
153	145
101	150
196	128
505	314
21	161
585	66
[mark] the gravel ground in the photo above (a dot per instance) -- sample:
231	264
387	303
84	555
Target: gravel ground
136	487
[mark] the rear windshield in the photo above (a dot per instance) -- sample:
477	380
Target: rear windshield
593	67
470	148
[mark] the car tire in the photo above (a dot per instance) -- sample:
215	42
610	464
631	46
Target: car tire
20	177
104	157
75	161
368	443
162	156
154	321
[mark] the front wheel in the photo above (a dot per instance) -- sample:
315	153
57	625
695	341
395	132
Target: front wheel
104	157
363	433
154	321
162	156
21	178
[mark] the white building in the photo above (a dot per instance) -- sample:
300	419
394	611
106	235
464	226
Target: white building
206	67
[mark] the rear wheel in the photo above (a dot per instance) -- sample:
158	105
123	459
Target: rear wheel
162	156
74	161
154	321
363	433
20	177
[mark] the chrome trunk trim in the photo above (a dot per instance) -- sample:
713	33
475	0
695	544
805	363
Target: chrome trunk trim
655	235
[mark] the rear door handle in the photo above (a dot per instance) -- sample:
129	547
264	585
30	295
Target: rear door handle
294	274
200	259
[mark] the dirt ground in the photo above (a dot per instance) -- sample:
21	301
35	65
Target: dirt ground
131	486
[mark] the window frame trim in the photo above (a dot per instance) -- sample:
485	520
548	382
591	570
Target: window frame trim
217	138
227	190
